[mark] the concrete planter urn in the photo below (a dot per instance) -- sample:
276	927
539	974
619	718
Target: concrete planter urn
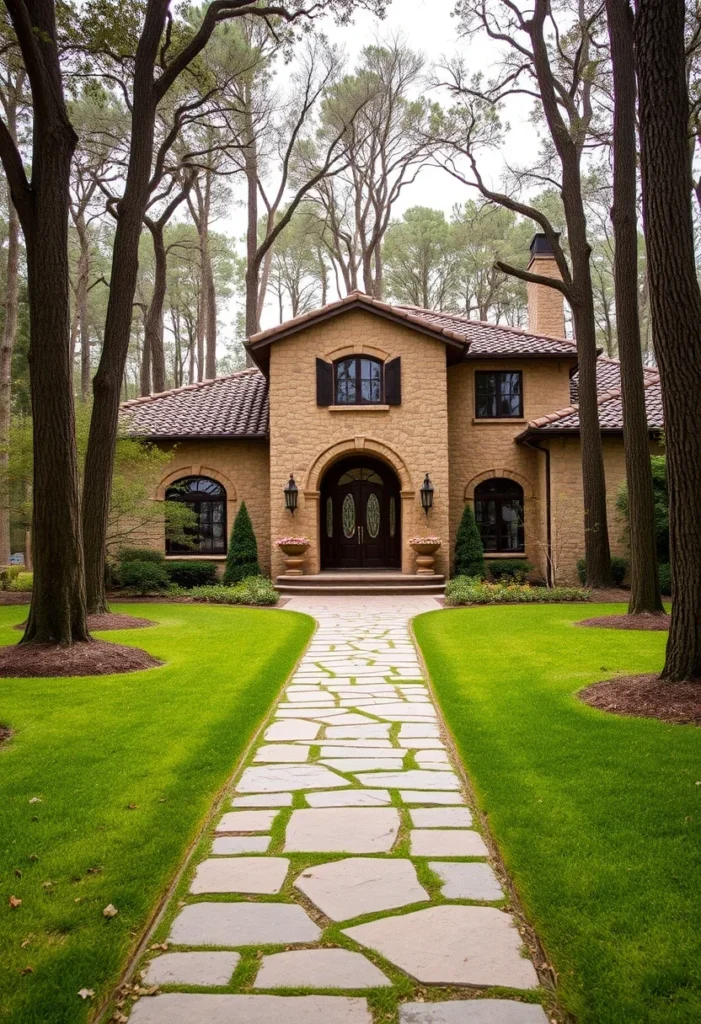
425	548
293	548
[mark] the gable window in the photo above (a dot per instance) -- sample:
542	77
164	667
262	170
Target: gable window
358	381
499	515
498	394
207	499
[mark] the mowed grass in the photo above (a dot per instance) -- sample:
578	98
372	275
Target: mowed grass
126	768
598	817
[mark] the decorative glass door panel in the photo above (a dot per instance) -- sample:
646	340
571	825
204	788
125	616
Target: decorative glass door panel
361	506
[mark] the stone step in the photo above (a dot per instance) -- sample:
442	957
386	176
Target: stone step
361	583
428	590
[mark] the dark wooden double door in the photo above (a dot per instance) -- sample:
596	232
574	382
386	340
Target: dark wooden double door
360	517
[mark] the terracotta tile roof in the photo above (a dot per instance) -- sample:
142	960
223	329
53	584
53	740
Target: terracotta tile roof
610	410
416	317
487	339
232	406
608	376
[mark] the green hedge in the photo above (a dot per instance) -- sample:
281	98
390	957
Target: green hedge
8	574
188	574
466	590
139	555
512	570
253	590
22	583
144	577
619	570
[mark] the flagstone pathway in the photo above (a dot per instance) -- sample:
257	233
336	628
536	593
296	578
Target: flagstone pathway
348	875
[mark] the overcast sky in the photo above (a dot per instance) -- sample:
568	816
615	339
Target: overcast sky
428	27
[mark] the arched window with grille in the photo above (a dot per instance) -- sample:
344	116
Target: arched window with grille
207	499
499	512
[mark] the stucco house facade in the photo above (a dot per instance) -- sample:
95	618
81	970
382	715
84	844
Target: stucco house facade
359	401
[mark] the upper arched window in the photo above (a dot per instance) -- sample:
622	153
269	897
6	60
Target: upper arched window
207	499
358	381
499	514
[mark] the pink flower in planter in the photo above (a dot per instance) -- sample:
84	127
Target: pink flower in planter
426	540
285	541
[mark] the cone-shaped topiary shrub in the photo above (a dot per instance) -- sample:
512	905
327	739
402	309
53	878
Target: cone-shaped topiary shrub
242	559
469	553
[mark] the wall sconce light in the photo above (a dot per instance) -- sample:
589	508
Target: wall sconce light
291	493
426	494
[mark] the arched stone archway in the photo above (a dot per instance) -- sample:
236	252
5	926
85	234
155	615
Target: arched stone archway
196	470
491	474
356	446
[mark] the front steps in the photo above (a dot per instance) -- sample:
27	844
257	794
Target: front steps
360	583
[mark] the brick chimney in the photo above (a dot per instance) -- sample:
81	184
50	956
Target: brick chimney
546	308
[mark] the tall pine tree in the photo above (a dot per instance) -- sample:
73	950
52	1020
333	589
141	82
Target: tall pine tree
469	553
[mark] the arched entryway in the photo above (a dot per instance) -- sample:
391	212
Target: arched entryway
360	515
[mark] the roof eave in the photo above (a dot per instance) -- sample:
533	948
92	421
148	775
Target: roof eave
138	436
543	432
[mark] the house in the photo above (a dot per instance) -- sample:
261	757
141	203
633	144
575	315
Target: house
360	401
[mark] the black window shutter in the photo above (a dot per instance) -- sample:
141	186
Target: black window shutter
324	382
393	381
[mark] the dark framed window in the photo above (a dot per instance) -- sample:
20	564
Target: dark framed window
358	381
498	394
207	499
499	514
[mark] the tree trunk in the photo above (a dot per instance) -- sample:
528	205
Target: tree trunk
211	321
82	305
675	303
252	270
57	612
107	383
145	365
9	336
153	332
645	589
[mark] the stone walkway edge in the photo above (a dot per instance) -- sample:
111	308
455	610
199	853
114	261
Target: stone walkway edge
346	881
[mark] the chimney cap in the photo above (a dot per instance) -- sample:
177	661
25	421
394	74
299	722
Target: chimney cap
540	246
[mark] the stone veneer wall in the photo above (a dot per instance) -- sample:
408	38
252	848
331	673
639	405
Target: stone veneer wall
242	467
482	449
306	439
568	504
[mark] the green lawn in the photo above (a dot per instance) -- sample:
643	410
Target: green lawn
165	741
598	817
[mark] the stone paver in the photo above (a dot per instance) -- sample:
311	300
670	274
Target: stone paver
473	1011
451	945
184	1008
353	762
201	969
447	842
242	924
319	968
342	830
471	881
252	875
365	885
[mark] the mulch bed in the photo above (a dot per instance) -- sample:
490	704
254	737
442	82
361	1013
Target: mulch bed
14	597
110	621
94	658
647	697
660	622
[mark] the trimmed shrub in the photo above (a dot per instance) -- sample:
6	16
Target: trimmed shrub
22	583
619	570
469	553
143	577
8	573
139	555
191	574
253	590
665	571
463	590
509	570
242	559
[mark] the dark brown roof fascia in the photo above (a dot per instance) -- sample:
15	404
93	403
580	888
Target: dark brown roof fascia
199	437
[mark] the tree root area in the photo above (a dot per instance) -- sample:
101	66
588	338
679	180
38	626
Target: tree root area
647	697
90	658
110	621
643	621
5	734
